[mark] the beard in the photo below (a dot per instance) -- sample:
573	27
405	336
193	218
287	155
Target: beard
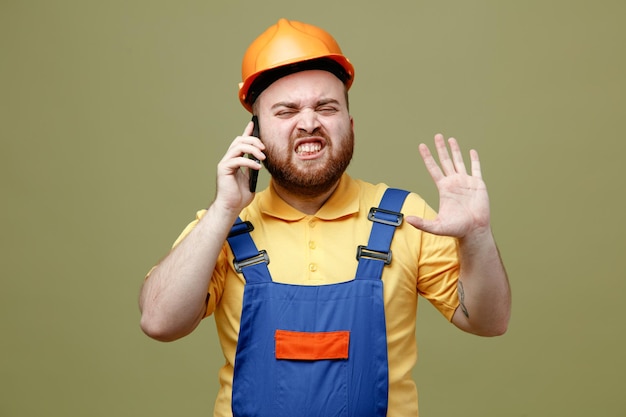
311	178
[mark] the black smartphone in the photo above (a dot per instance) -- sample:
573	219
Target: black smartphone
254	173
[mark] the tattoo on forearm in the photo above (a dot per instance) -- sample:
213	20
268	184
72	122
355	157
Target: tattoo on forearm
462	299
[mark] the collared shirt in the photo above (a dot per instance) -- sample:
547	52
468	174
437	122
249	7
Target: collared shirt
321	249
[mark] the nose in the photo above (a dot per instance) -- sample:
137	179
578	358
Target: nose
308	121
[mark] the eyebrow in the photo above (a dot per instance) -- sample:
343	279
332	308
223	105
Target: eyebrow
293	105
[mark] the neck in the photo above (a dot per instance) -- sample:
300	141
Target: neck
305	204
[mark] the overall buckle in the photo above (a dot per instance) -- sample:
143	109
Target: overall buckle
240	229
397	221
255	260
363	252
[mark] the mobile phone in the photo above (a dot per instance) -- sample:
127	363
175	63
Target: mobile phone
254	173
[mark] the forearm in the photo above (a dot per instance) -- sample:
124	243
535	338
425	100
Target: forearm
484	290
173	298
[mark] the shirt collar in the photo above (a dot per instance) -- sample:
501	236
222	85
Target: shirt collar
343	202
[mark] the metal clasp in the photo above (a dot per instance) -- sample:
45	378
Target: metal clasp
260	258
399	217
363	252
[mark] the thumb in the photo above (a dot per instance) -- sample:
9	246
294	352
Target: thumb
420	223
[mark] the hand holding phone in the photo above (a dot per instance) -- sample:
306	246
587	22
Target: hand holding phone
254	173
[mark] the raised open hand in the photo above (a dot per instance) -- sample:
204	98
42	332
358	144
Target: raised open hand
463	198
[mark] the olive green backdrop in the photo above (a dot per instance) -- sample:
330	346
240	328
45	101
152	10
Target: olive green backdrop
115	113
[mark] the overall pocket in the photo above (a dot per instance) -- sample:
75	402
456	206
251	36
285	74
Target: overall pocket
311	373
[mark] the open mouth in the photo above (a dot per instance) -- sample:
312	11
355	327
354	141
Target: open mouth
309	148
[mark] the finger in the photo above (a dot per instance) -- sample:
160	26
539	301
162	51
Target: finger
415	221
444	157
431	166
238	165
428	226
246	140
248	130
243	145
476	171
457	156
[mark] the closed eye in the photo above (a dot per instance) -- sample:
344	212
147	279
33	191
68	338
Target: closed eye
327	111
284	110
328	106
285	113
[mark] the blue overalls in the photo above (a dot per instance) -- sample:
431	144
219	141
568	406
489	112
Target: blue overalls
318	351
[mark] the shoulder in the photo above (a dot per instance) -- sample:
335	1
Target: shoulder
371	194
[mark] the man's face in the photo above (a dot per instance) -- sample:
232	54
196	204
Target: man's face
307	130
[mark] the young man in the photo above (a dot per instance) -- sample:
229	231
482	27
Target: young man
314	289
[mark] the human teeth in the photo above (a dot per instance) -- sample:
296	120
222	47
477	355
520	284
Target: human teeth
309	148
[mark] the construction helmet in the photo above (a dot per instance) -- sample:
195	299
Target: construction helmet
285	48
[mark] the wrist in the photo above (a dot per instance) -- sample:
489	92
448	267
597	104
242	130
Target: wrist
477	237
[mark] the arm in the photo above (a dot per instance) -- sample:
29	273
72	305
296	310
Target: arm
483	287
172	299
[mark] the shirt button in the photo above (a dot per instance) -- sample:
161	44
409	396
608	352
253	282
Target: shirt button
312	223
312	267
312	245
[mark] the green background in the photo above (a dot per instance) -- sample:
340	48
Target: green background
115	113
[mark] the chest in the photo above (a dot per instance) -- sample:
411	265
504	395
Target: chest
312	251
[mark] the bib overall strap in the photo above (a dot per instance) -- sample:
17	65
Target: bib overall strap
373	257
248	259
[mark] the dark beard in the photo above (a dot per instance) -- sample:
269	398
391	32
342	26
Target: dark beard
316	178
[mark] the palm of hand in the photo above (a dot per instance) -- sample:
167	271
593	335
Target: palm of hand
463	198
